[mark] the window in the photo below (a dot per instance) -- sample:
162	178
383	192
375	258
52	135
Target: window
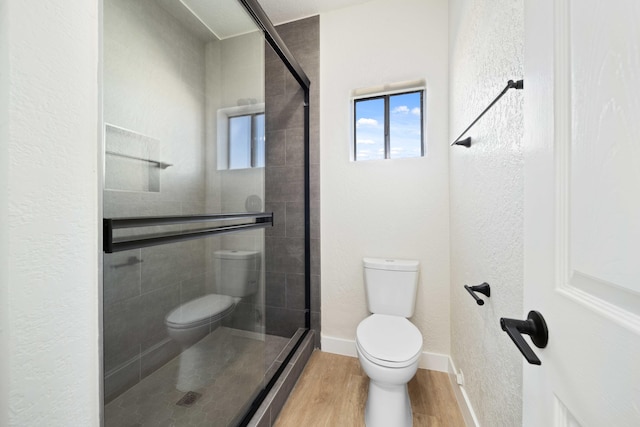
246	141
241	137
389	126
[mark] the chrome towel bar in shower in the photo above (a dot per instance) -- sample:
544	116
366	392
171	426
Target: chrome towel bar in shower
118	244
159	164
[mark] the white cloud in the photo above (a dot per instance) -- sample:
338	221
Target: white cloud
366	122
401	109
415	111
366	141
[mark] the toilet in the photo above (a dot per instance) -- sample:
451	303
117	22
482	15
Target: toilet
387	343
237	273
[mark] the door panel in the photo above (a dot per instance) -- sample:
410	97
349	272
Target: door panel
604	128
582	210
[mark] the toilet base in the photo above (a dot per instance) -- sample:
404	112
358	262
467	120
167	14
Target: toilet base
388	405
388	402
192	356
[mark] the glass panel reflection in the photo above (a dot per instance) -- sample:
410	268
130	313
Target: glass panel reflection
184	323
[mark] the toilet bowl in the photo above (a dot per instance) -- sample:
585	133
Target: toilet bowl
237	277
387	343
389	349
192	321
187	324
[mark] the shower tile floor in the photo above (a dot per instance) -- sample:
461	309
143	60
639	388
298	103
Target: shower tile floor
227	369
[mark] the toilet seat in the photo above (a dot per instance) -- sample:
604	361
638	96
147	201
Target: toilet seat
200	311
390	341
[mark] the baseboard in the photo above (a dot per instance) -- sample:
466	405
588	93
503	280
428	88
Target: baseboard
464	403
434	362
338	346
431	361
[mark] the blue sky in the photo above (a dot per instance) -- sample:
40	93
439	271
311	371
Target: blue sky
240	140
404	126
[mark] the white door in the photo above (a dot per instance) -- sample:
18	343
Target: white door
582	210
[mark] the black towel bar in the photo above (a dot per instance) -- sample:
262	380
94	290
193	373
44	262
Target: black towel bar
111	244
519	84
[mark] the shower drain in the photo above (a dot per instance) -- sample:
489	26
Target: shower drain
188	399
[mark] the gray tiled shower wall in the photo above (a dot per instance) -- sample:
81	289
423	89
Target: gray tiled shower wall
284	182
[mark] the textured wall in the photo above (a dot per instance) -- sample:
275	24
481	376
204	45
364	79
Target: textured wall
389	208
49	299
486	185
285	181
5	317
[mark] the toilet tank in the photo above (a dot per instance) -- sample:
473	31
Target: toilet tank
237	272
391	285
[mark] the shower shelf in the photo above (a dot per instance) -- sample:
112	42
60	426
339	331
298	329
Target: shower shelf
158	163
119	244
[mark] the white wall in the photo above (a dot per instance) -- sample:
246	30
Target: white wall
486	184
5	368
154	85
49	257
390	208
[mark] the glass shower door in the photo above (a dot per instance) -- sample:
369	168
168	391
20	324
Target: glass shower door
184	277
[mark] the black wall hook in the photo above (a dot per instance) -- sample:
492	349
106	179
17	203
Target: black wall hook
535	326
518	84
464	142
482	288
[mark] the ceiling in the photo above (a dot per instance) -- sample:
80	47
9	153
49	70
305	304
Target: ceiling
280	11
226	19
229	19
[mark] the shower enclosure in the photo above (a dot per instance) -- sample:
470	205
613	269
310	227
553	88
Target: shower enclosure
193	332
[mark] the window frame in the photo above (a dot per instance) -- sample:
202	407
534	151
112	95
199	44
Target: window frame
386	96
224	115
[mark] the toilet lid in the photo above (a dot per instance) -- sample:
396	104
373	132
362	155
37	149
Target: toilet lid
389	338
200	309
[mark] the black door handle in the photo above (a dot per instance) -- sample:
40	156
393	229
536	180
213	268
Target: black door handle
535	327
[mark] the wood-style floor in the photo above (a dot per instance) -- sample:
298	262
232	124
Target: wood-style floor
332	391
